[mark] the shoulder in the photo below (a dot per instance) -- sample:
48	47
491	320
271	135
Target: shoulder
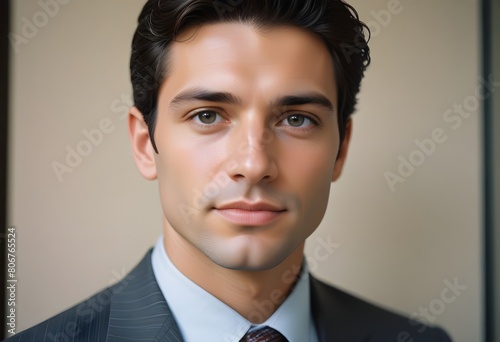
88	319
347	317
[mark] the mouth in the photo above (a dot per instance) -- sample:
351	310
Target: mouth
250	214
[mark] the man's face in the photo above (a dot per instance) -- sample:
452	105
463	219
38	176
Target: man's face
247	140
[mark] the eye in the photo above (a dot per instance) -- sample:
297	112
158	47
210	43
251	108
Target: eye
207	117
297	120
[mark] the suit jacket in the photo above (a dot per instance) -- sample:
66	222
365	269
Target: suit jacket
135	310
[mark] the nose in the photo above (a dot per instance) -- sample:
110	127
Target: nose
252	151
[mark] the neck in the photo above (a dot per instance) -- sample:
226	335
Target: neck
255	295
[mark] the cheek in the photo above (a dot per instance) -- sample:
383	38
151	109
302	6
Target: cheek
312	176
185	167
309	164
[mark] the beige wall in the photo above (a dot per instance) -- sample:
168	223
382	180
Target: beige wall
396	248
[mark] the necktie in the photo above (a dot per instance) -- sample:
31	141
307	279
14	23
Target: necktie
265	334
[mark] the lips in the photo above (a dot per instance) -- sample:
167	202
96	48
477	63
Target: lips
250	214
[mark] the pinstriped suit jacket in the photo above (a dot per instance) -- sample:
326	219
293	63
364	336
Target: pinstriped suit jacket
135	310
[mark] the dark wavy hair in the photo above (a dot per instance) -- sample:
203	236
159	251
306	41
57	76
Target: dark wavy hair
335	22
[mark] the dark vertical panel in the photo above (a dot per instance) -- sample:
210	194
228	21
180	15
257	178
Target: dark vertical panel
491	184
488	260
494	151
488	246
4	98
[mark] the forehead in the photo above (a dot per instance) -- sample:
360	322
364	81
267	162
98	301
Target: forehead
243	57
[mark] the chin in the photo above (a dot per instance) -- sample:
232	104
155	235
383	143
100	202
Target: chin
248	259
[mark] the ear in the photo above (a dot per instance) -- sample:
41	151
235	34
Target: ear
342	155
141	144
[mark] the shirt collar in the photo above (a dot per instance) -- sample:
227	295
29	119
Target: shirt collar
202	317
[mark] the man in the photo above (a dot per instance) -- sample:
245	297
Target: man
242	113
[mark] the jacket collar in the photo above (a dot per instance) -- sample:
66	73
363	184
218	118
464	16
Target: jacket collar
138	310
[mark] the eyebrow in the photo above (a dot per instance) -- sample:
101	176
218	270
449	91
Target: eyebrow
203	94
313	98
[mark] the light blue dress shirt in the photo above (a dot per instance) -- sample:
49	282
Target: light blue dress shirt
202	317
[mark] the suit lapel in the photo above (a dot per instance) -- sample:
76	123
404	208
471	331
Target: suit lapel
139	311
333	315
322	315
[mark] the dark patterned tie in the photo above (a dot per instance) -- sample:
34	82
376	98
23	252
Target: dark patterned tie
265	334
